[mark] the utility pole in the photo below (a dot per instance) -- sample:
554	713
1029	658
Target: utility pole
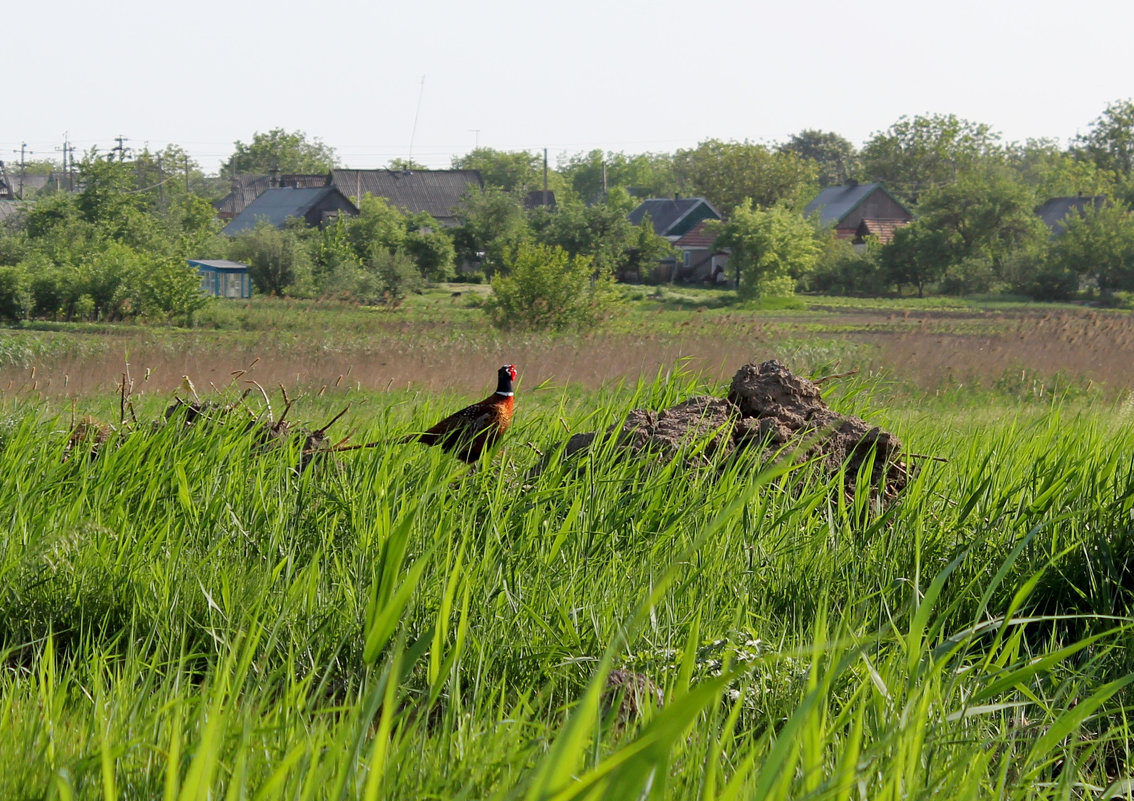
67	148
161	183
23	167
120	147
186	160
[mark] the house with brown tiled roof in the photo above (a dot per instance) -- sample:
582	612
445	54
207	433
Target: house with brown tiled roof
857	211
701	261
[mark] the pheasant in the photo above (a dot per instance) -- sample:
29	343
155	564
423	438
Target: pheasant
470	432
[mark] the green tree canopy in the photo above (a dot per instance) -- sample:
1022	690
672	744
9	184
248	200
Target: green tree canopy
543	287
920	153
835	157
967	228
282	151
771	248
603	233
1110	141
279	261
492	223
512	171
1050	171
728	173
644	175
1098	245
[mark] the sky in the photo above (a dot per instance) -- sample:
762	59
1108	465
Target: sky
378	80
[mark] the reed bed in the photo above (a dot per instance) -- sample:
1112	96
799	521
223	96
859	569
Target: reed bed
439	345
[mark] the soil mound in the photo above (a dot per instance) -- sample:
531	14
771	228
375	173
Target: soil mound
769	408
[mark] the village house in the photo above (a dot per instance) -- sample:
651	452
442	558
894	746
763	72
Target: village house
316	207
857	211
436	192
1055	211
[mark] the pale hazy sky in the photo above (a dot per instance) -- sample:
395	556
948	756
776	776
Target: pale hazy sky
610	74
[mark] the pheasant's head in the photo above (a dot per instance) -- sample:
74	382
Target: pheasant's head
504	378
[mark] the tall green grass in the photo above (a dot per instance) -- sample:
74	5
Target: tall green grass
188	616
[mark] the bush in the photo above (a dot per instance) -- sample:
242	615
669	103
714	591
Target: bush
1053	283
15	294
772	249
844	269
279	261
389	277
541	287
171	288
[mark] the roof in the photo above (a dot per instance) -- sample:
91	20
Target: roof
699	237
9	208
437	192
278	204
1056	210
835	203
218	264
246	188
665	213
538	198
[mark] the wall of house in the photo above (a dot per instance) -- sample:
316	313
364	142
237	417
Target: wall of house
879	206
327	208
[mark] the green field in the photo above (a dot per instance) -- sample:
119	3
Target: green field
184	614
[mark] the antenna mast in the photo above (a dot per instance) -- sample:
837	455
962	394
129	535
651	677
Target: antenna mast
416	114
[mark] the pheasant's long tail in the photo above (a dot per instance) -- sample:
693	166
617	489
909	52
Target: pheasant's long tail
342	446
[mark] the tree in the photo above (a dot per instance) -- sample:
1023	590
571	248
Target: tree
987	213
772	248
542	287
835	157
279	261
1099	245
430	247
592	175
603	233
492	224
166	174
966	231
927	151
727	173
170	288
1050	171
377	225
918	255
1110	141
511	171
282	151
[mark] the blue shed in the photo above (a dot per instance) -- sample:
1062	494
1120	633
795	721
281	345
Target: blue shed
223	279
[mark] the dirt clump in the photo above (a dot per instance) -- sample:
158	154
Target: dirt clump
629	694
768	408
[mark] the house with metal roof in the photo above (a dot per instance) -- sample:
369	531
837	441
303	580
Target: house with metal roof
246	188
857	211
1055	212
674	217
316	207
437	192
